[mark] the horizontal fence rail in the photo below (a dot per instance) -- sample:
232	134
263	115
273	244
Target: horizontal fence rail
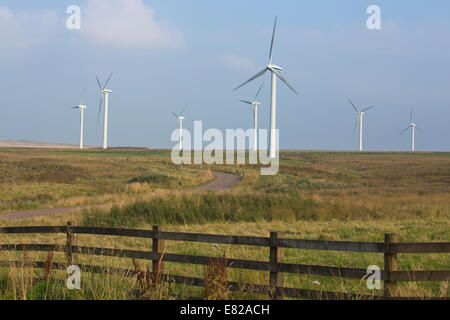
352	246
276	266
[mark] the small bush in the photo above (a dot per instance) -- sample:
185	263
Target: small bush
41	198
216	279
151	179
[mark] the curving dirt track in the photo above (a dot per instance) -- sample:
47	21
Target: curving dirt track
223	181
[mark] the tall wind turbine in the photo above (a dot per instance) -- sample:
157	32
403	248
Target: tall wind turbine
255	105
81	107
413	127
359	118
180	121
104	93
275	70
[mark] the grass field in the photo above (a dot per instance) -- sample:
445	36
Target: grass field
315	195
35	179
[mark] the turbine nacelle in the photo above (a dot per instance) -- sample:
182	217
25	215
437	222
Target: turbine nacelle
179	116
274	67
107	91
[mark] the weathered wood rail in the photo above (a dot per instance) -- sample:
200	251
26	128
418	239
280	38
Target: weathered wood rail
275	266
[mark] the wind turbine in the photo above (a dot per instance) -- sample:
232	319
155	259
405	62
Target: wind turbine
275	70
81	107
255	105
359	118
413	127
180	121
104	93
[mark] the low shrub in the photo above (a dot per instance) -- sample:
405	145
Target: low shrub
151	179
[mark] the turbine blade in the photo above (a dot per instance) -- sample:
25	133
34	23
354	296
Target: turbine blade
420	129
107	80
176	116
184	109
99	107
284	80
367	109
273	37
356	109
98	81
259	74
356	125
411	118
248	102
404	131
257	94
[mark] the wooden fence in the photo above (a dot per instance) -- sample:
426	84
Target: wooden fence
275	266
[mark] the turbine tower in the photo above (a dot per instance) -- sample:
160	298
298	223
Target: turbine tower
255	105
359	118
413	127
81	107
275	71
180	121
104	93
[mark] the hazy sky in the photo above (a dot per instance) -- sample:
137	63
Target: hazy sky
167	54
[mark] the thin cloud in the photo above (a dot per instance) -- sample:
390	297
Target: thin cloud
26	29
127	24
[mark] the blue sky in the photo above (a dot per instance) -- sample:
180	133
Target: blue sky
167	54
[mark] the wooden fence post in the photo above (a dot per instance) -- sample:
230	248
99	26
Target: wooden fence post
276	256
158	247
69	254
390	264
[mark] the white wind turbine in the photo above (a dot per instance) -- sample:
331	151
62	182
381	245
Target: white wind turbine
275	70
81	107
180	121
359	118
413	127
255	105
104	93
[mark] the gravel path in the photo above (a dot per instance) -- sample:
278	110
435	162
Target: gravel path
223	181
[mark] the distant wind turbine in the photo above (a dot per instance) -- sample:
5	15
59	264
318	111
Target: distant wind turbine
413	127
359	118
81	107
180	121
104	93
255	105
275	70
